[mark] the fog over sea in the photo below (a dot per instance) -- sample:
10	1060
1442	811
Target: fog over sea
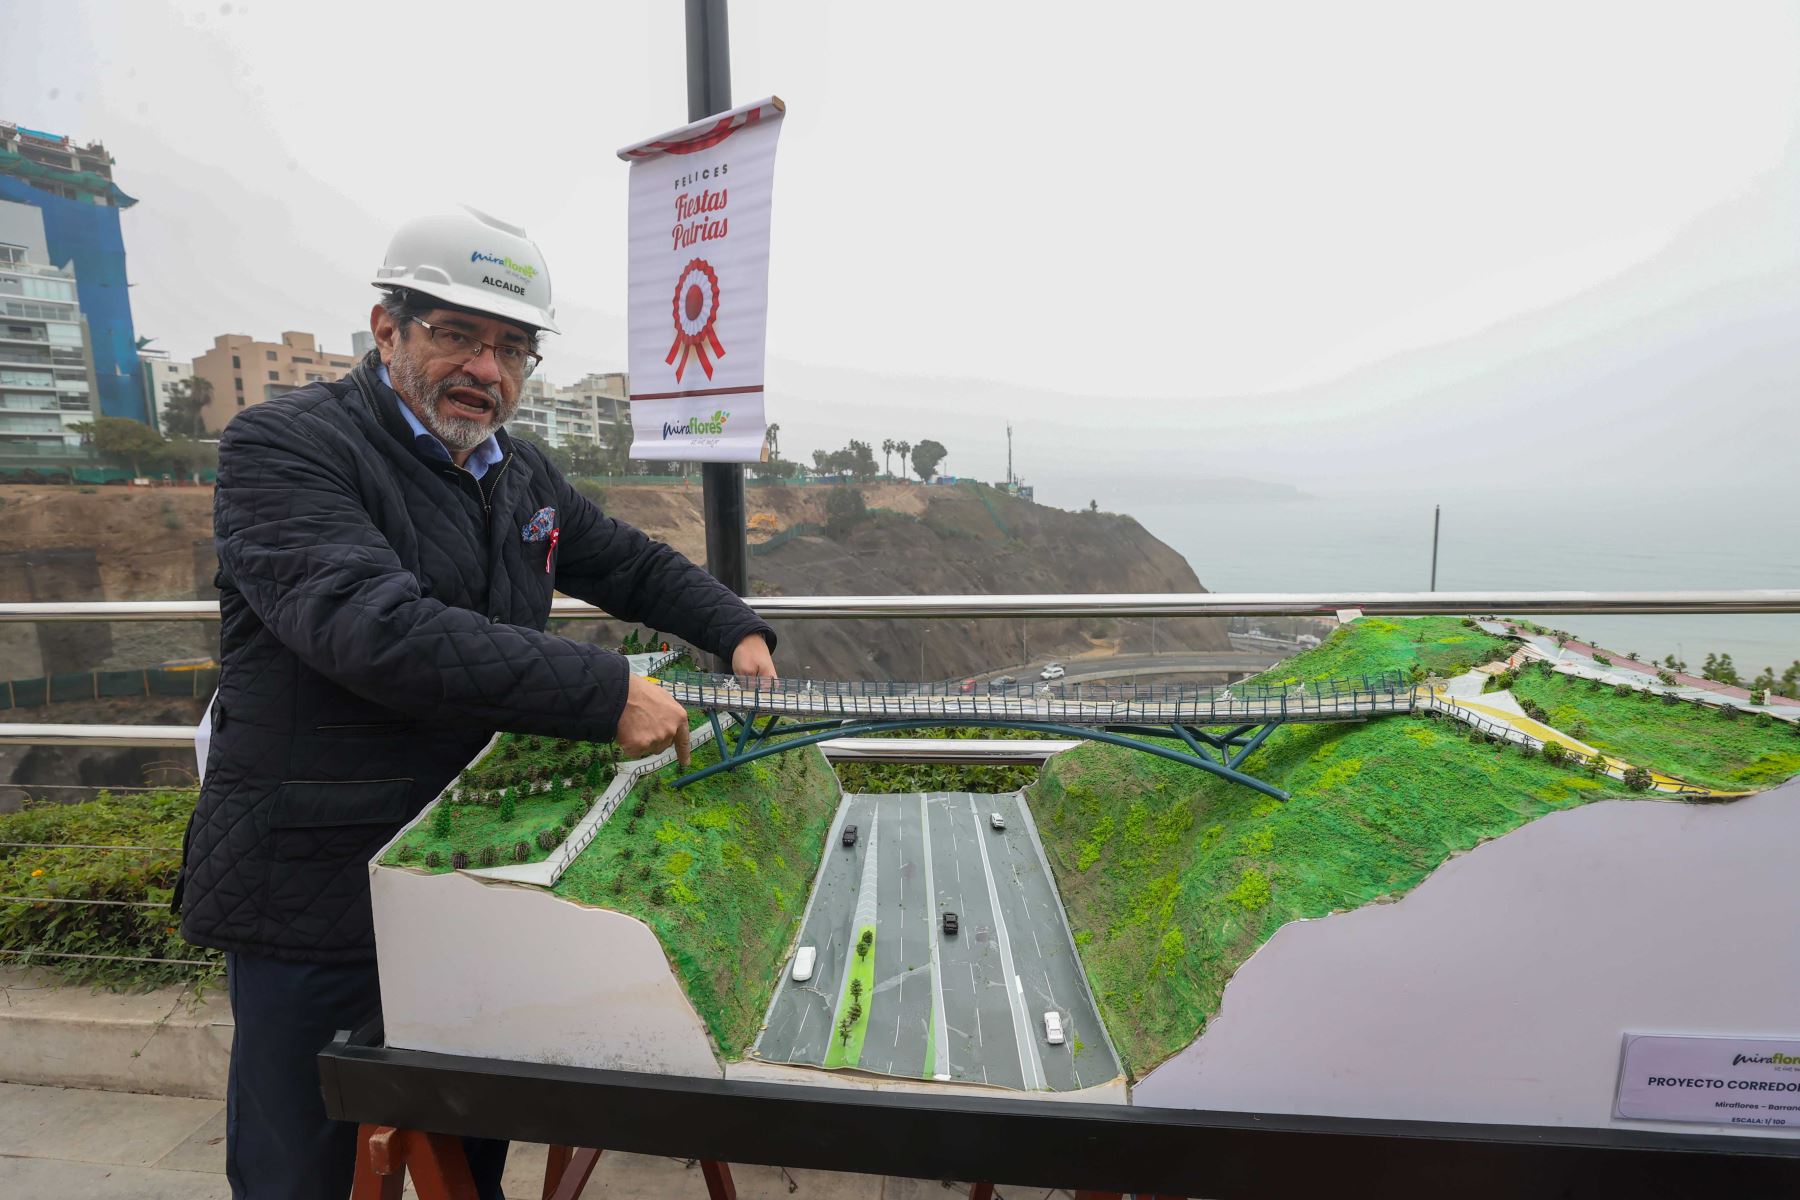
1515	541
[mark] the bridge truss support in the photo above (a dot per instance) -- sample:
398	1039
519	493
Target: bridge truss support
760	735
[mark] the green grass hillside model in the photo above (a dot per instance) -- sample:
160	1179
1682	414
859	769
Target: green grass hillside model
720	870
1172	877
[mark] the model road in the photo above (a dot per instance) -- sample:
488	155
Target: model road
968	1006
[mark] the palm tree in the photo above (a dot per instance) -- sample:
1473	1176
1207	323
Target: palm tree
903	449
774	437
887	449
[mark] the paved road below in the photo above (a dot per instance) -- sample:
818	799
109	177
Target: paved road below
973	1011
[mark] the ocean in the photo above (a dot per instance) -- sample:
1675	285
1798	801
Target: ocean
1516	541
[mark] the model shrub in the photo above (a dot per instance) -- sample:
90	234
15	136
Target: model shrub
1729	712
521	851
1637	779
433	859
658	896
1529	749
1555	752
547	839
570	817
625	852
440	821
644	871
408	852
489	857
459	861
1666	678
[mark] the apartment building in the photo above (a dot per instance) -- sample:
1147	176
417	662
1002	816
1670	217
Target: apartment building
243	371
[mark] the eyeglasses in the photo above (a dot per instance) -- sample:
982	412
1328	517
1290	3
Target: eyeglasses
516	361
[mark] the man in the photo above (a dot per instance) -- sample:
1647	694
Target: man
387	555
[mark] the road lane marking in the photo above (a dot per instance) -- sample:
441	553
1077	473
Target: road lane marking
1029	1066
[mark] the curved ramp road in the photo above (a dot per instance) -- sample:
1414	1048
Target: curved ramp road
967	1007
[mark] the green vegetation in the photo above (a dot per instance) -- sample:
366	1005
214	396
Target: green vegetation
720	870
147	830
852	1018
863	778
514	805
1172	878
1439	645
1692	742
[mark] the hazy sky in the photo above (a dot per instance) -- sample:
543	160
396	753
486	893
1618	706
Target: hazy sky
1140	200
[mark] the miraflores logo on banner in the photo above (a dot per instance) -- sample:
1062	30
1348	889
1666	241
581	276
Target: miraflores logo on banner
701	199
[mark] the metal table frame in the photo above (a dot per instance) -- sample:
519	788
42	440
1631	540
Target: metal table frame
1047	1143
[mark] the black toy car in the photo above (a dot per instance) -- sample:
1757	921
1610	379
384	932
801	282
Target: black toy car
849	835
949	923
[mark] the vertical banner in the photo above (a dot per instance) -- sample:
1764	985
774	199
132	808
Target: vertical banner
699	287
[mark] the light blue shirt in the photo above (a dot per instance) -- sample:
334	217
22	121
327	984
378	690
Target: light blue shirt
480	458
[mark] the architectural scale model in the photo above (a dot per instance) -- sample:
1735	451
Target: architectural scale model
747	918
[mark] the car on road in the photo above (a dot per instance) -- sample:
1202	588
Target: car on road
849	835
1053	671
1001	681
997	821
966	686
1053	1031
803	963
949	924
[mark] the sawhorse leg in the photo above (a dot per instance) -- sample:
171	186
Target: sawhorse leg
718	1180
567	1170
384	1155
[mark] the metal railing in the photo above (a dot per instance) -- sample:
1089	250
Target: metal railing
1098	604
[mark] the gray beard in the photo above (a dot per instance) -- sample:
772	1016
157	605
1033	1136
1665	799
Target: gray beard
419	394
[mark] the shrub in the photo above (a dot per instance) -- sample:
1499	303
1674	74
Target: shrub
1603	660
547	839
658	896
1579	731
1529	749
440	821
1534	710
644	871
489	857
433	859
1729	711
1623	689
521	851
407	852
459	861
625	852
1637	779
1666	678
1555	753
618	884
570	817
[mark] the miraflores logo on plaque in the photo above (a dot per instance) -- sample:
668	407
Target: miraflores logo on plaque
701	199
1712	1080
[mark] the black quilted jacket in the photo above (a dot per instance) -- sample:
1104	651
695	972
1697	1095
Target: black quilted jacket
381	615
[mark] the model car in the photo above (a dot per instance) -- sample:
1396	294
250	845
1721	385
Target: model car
1053	1031
997	821
1053	671
1001	681
849	835
949	923
803	963
967	685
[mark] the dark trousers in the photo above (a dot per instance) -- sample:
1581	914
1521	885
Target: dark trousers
279	1144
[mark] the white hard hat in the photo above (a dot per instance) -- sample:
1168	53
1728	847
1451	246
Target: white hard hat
471	260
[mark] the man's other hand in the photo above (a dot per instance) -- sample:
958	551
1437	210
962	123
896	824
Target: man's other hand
752	658
653	721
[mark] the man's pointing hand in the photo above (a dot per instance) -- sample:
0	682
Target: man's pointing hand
652	721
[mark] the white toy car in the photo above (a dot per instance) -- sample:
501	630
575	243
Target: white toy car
1053	1031
803	963
1053	671
997	821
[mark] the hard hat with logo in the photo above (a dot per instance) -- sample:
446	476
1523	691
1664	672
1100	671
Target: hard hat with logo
474	261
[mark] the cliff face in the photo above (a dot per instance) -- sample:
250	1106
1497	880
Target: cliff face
58	543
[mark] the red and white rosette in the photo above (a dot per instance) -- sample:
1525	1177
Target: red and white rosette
696	308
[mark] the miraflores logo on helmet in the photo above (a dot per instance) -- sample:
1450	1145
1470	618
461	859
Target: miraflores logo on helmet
522	270
471	260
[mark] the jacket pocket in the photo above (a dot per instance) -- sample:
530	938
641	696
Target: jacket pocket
321	836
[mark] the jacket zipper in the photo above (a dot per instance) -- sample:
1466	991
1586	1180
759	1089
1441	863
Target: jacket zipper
487	497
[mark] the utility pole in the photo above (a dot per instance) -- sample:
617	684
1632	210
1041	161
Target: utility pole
1436	512
722	484
1010	481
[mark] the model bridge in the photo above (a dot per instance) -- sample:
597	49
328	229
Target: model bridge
1211	728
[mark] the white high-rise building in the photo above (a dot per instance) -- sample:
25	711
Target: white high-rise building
161	374
46	370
